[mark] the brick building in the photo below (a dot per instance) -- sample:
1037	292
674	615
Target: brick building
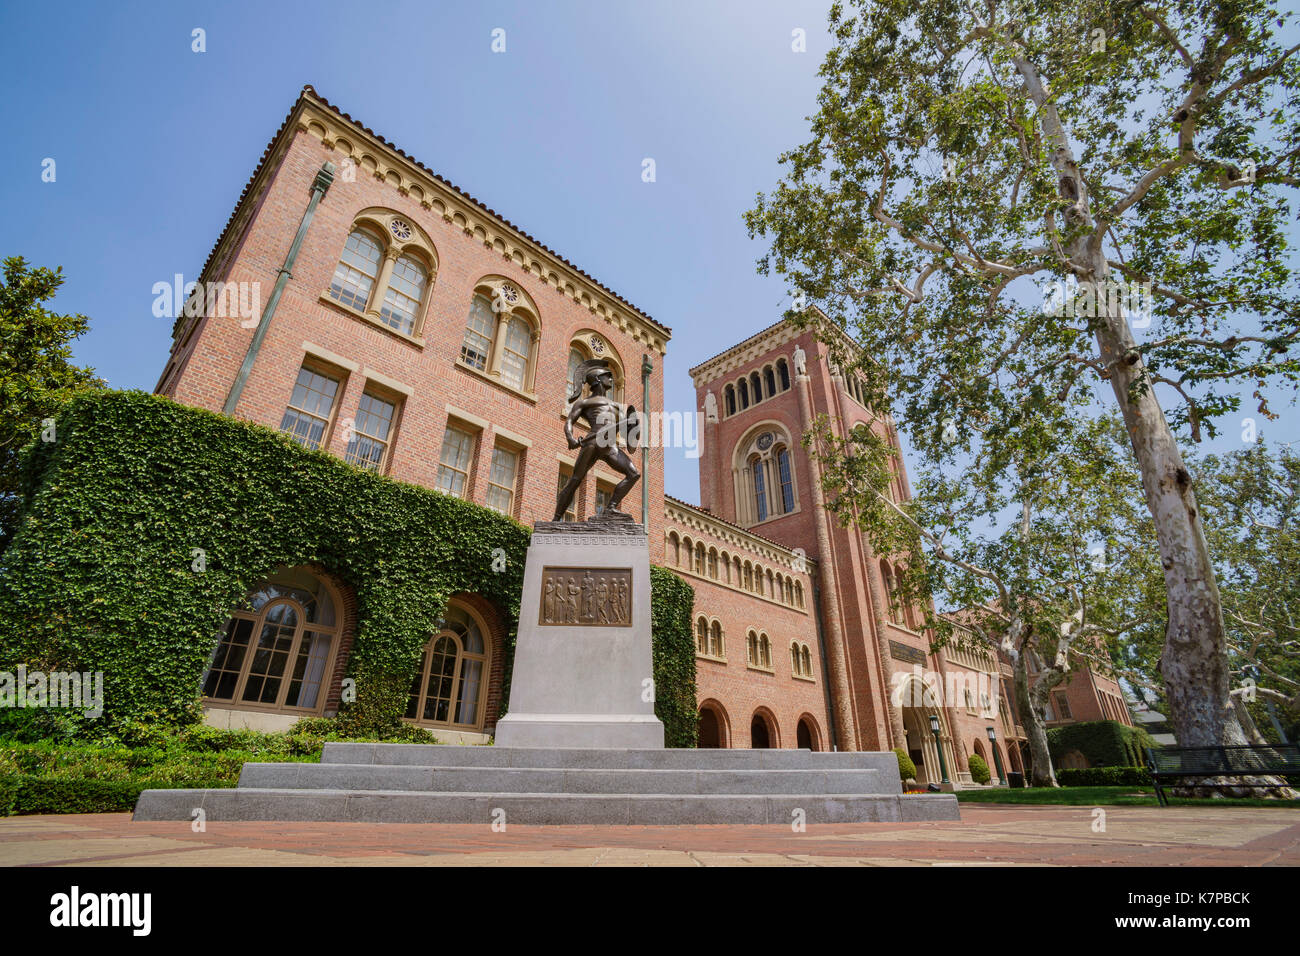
407	328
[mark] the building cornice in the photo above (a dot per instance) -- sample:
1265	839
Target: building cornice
690	516
760	343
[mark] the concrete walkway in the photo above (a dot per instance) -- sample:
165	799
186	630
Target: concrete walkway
987	835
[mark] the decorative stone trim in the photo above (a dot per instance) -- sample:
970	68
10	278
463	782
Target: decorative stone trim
325	355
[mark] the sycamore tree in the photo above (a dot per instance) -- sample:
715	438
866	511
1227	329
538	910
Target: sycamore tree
1133	163
1251	500
1038	540
36	371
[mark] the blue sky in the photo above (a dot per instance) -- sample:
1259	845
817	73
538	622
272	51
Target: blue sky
153	143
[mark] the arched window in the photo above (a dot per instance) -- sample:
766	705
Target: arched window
806	654
688	554
771	586
743	387
354	276
731	399
769	379
756	387
713	563
515	351
787	479
476	349
501	334
674	549
385	271
783	373
891	593
798	593
796	662
716	646
450	688
760	492
404	295
702	636
591	345
699	558
279	646
765	651
752	648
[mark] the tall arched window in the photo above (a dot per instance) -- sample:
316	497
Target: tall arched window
751	645
354	276
765	651
716	646
783	373
769	380
806	655
674	550
730	394
756	387
787	479
796	662
760	492
713	563
702	636
279	646
450	689
743	388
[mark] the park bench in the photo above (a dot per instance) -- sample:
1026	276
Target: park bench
1169	764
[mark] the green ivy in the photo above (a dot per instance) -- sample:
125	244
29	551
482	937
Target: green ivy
100	574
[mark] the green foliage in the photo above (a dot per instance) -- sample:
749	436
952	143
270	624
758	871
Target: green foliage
1105	777
906	769
100	576
36	372
672	606
979	770
1103	743
22	795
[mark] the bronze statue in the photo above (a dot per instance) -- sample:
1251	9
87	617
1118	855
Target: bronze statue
606	420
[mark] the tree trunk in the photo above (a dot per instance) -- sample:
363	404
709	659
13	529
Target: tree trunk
1194	660
1041	773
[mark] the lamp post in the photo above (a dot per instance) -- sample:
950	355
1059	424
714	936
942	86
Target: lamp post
943	764
997	758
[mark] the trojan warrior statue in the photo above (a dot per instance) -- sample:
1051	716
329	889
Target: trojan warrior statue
606	421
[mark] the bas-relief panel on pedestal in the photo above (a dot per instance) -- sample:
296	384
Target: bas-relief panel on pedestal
587	597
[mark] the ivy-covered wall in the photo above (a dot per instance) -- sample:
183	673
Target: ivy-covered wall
101	574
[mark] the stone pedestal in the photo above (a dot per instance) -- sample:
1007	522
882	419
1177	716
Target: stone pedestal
582	671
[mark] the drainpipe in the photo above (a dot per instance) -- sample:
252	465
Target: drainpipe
646	368
321	185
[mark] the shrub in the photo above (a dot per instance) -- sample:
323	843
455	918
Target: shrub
906	769
1105	777
1104	743
979	770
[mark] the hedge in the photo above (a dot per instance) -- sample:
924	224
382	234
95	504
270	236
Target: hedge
979	770
101	574
1103	743
1105	777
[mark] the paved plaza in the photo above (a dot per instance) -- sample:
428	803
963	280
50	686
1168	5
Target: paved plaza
985	836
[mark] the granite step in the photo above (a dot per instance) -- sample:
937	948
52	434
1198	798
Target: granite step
539	809
510	780
450	755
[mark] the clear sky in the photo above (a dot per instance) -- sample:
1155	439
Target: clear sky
153	143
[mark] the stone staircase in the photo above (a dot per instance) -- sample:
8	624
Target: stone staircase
430	783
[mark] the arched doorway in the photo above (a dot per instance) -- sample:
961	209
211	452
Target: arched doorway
762	732
806	736
920	704
712	726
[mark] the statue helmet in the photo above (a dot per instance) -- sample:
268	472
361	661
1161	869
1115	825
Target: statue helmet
584	372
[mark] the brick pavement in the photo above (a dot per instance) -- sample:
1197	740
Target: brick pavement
986	835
